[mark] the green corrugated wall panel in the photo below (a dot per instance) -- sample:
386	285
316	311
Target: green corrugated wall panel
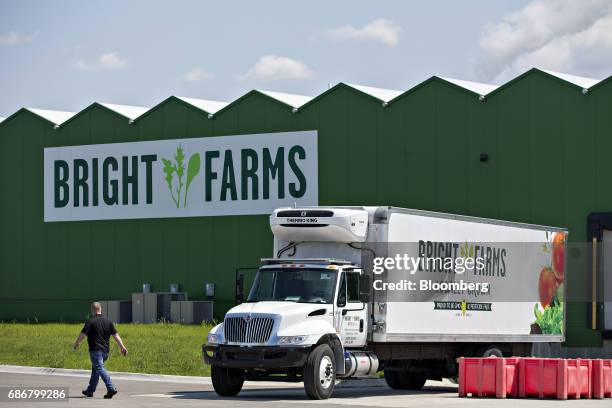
450	155
251	114
482	184
227	122
307	118
576	149
278	118
32	203
360	149
226	254
175	253
546	150
419	153
600	116
31	244
333	139
392	176
11	236
512	109
15	208
56	259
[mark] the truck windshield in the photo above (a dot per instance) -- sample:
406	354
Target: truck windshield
294	285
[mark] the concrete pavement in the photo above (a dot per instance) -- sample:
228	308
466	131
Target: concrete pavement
157	391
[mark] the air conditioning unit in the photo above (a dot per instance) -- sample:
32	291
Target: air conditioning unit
320	224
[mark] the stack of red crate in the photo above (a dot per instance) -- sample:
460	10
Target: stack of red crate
602	378
535	378
488	377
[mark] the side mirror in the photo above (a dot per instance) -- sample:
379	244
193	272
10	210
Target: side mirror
239	288
365	286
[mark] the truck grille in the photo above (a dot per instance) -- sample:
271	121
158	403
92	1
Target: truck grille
244	330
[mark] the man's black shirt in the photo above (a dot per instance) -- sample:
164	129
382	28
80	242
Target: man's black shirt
98	330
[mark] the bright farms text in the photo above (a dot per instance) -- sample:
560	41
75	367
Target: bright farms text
117	180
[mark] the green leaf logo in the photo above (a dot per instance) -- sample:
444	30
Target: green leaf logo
175	170
193	168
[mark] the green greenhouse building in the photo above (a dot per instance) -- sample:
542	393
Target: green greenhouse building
96	203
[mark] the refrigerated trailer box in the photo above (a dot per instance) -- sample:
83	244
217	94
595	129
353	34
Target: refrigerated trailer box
353	290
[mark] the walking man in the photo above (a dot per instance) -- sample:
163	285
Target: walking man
98	330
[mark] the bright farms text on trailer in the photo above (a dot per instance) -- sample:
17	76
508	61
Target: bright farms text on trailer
228	175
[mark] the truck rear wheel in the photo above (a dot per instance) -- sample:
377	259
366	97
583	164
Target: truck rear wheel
227	382
320	373
392	378
491	351
404	380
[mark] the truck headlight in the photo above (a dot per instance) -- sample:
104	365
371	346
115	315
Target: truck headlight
213	338
287	340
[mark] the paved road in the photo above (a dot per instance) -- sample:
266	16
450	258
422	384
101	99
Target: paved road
145	393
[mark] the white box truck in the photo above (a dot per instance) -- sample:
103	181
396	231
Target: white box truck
355	290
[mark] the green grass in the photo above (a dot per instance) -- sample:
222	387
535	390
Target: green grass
160	348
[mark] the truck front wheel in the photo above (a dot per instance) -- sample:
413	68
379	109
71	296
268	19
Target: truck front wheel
404	380
320	373
227	382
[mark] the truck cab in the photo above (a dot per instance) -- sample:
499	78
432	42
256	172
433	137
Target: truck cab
300	322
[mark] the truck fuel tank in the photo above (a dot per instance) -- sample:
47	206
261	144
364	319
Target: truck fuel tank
360	364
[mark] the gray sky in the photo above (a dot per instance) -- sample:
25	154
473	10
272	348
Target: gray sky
66	54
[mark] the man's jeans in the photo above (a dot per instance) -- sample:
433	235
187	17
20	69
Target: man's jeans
97	370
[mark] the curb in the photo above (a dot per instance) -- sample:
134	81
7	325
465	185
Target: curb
69	372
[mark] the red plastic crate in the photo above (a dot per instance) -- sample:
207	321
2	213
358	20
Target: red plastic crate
488	377
579	378
543	378
602	378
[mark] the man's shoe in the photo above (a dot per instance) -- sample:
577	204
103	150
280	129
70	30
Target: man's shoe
87	394
110	394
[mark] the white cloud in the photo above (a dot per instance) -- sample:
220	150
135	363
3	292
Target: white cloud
272	67
552	34
13	38
106	61
379	30
197	74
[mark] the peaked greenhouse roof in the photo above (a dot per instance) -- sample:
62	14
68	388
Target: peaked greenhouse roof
204	105
293	100
130	112
580	81
476	87
298	102
53	116
382	94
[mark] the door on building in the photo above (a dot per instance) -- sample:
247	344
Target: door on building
606	280
599	229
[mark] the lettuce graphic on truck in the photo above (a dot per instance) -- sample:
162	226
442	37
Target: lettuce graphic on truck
549	311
